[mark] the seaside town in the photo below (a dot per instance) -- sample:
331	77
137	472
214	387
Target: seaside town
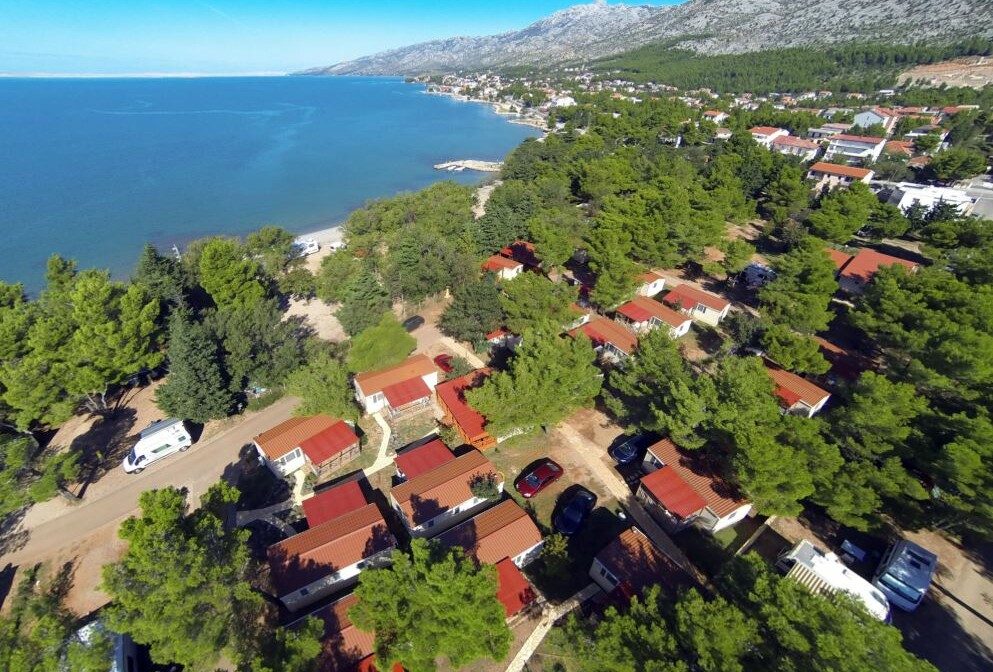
693	380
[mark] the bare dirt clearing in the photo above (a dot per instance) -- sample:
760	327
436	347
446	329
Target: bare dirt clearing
975	72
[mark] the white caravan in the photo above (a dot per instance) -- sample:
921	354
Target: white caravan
156	441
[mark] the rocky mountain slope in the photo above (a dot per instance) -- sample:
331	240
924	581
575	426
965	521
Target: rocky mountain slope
599	29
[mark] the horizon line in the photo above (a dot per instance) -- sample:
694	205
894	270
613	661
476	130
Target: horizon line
136	75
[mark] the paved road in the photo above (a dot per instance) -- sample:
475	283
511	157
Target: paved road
197	469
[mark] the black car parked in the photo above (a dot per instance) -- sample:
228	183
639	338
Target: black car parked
574	511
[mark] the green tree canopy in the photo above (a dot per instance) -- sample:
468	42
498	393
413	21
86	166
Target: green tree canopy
800	295
957	164
531	301
363	303
475	311
431	603
337	271
379	346
195	388
229	275
323	386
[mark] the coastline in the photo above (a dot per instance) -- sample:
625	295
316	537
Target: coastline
500	109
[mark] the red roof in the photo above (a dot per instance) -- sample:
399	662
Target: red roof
498	333
673	493
601	331
405	392
334	502
642	309
844	171
865	264
868	140
719	495
416	461
496	263
900	147
452	393
522	251
791	388
838	257
336	439
513	590
687	298
764	130
790	141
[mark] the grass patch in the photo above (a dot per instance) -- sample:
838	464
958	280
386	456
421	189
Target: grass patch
266	400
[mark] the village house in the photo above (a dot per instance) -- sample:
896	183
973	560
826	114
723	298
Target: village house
468	423
651	283
899	148
805	149
504	531
416	460
797	395
765	135
833	175
680	490
523	252
860	269
631	562
514	590
309	566
723	134
827	131
505	269
877	116
853	149
698	304
335	501
716	116
611	341
344	648
401	389
504	338
442	497
643	314
906	194
319	443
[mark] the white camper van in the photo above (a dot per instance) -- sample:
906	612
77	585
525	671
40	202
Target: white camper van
156	441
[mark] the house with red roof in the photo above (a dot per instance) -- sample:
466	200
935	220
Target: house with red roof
765	135
859	271
412	462
398	390
651	283
335	501
716	116
612	342
833	175
514	590
698	304
309	566
459	415
504	338
505	269
643	314
434	501
805	149
839	258
877	116
522	251
631	562
344	648
318	443
797	395
681	489
503	531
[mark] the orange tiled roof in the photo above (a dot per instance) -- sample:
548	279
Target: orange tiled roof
334	502
791	388
423	458
636	562
764	130
838	257
417	366
497	263
642	309
790	141
688	297
844	171
452	393
600	330
504	531
719	495
867	262
288	435
438	490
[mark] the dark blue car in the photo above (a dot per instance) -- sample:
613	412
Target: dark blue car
628	451
575	511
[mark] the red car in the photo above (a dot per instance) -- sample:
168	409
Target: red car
538	477
444	362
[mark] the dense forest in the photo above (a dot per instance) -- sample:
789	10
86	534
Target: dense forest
852	67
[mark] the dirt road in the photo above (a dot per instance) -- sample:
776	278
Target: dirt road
197	470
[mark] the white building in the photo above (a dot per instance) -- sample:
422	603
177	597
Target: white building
805	149
852	149
907	193
407	386
765	135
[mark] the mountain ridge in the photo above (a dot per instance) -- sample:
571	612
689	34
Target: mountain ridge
597	30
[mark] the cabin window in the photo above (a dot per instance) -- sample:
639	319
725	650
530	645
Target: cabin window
377	398
161	448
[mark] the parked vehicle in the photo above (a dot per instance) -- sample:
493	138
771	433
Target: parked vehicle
905	573
303	247
160	439
629	450
575	511
539	477
444	362
412	323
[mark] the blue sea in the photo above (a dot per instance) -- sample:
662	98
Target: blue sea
95	168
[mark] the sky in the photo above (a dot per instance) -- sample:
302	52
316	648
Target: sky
237	36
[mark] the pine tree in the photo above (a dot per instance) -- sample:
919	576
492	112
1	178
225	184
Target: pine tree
364	303
195	388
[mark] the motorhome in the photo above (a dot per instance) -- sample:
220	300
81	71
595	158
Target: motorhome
905	574
824	573
160	439
303	247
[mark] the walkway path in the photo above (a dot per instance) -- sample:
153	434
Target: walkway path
383	458
548	619
591	454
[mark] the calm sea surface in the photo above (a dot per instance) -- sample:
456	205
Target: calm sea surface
92	169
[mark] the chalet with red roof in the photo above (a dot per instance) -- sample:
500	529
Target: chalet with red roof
503	531
311	565
631	562
459	415
442	497
698	304
643	314
651	283
797	395
522	251
612	342
505	269
681	489
859	271
504	338
398	390
805	149
514	590
412	462
765	135
716	116
839	258
833	175
318	443
335	501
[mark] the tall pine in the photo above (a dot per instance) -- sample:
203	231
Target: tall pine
195	389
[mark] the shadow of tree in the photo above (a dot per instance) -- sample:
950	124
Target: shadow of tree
12	536
103	446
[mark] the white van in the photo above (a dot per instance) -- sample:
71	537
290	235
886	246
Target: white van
159	439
